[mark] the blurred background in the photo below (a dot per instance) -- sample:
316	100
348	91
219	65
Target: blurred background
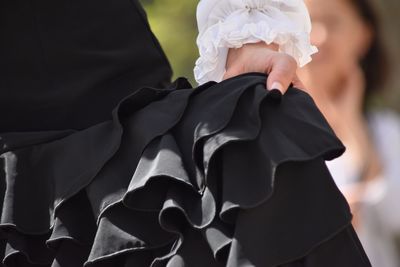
174	24
355	79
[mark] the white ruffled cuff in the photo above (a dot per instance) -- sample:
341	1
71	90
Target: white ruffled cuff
225	24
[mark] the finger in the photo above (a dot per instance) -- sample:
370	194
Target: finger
283	72
231	72
298	83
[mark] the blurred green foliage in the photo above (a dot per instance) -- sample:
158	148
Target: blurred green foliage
174	24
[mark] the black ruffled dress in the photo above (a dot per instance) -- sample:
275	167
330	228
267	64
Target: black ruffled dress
107	163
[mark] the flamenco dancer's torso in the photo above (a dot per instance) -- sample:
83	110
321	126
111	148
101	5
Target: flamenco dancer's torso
65	64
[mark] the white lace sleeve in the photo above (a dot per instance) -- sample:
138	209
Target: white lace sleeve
225	24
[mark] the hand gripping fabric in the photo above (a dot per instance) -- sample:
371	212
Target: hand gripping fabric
218	175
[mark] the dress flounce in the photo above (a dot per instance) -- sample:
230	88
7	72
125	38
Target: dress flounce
219	175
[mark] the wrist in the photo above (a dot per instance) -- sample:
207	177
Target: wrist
259	45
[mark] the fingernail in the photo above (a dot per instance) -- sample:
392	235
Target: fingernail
277	85
275	95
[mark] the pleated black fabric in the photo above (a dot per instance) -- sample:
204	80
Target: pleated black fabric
218	175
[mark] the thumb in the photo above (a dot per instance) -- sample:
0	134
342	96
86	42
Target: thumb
283	72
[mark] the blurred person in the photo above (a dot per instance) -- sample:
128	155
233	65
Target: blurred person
350	66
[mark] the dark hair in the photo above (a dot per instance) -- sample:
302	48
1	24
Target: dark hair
375	63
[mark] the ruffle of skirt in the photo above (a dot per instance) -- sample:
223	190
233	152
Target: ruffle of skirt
223	174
